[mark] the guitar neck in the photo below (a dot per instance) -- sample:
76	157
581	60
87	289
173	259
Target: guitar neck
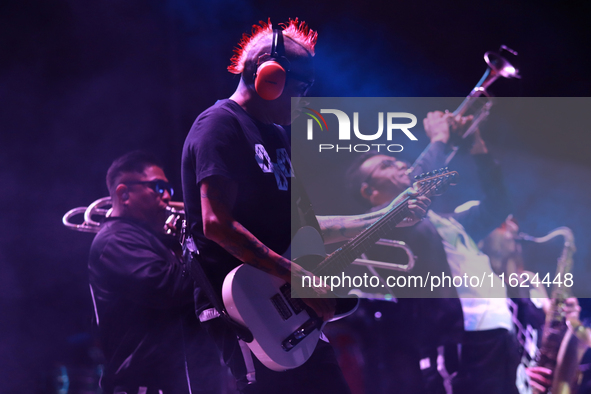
345	255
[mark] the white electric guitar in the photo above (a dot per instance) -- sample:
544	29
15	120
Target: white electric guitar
284	329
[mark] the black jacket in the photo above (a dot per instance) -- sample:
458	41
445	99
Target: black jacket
144	307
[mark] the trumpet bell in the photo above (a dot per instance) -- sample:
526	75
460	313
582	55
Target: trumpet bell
500	66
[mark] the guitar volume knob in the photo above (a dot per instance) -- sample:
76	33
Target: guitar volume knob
299	334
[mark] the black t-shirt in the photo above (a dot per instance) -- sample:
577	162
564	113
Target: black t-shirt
226	141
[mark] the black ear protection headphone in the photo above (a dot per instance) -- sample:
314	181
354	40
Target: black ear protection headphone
271	73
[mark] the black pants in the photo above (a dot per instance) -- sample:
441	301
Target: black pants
488	363
321	374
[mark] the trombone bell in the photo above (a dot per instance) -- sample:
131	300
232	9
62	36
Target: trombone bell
102	208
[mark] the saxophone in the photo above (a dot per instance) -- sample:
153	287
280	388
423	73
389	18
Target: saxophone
560	351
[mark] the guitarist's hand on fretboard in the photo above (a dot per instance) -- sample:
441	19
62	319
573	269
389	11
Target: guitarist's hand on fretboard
314	297
417	206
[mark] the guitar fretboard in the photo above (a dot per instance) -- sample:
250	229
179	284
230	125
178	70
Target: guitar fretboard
341	258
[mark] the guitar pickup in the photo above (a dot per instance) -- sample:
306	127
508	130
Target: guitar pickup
281	306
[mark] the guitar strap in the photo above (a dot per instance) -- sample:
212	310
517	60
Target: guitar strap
191	258
248	362
301	208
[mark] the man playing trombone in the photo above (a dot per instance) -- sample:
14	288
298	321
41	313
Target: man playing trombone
142	296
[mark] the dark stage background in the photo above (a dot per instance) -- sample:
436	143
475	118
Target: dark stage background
82	82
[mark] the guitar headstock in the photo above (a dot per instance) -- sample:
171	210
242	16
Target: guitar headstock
435	183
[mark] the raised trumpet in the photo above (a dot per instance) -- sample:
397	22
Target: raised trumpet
96	212
498	66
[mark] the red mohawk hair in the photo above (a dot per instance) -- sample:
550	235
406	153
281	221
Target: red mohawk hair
294	29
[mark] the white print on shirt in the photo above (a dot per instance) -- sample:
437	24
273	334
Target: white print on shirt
284	163
282	169
262	158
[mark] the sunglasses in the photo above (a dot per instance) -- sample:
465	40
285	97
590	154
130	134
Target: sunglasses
159	186
304	83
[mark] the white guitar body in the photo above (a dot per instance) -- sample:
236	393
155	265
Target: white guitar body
261	302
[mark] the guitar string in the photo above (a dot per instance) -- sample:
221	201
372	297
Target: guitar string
343	256
385	220
339	259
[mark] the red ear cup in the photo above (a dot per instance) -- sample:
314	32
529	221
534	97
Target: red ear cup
270	80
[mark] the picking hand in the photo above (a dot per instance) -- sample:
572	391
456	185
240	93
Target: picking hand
314	297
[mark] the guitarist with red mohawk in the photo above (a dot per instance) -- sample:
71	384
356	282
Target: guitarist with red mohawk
237	184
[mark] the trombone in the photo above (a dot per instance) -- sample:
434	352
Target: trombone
102	208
